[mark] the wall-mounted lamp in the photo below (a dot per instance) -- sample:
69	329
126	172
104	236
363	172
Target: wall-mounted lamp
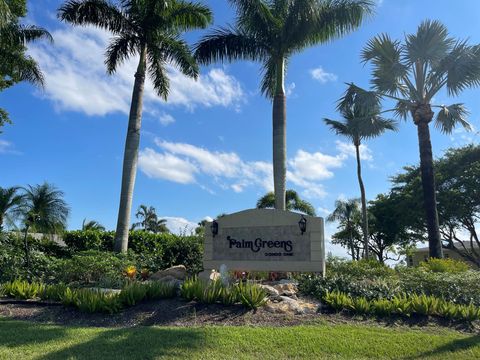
214	228
302	224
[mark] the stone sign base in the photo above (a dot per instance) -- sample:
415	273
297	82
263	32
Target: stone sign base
266	240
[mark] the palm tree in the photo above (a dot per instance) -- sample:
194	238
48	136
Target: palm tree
92	225
150	29
147	216
346	211
44	210
159	226
412	74
271	32
10	202
293	202
360	123
15	64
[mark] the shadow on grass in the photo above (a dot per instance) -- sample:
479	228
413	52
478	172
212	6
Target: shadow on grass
451	347
57	342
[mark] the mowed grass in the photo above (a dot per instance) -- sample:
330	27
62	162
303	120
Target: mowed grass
24	340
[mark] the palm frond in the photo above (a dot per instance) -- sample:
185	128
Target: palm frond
372	127
358	102
99	13
339	127
226	44
429	45
176	52
254	14
462	68
402	109
388	71
19	35
327	20
269	77
450	116
181	15
158	73
120	48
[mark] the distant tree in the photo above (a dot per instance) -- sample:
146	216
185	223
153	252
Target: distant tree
413	73
388	228
150	29
271	32
347	213
293	203
15	64
458	182
92	225
10	202
360	122
149	220
44	210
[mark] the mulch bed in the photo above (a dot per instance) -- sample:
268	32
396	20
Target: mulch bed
178	312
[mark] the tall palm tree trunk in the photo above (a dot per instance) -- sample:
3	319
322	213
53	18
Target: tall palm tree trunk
364	202
352	247
428	185
25	247
130	158
279	119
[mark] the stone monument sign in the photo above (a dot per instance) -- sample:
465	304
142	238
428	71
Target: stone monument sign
265	240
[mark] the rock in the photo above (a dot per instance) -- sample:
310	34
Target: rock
209	275
290	306
270	290
288	289
178	272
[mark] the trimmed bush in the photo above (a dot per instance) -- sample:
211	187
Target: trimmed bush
444	265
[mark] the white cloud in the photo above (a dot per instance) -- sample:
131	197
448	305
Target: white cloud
166	166
322	76
189	164
348	150
179	225
76	78
166	119
6	147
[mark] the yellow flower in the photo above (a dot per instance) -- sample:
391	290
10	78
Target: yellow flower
131	271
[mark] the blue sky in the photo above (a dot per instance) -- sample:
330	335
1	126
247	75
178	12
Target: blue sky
208	150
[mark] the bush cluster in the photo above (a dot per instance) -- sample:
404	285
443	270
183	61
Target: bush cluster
374	281
88	299
247	293
402	305
88	259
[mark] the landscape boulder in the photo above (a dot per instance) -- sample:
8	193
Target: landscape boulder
209	275
178	272
286	289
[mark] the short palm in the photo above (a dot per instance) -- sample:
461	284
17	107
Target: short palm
271	32
10	202
293	202
150	29
361	121
412	73
346	212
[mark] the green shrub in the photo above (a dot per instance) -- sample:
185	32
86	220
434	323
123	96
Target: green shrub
91	267
361	306
83	240
382	307
424	305
461	288
54	292
251	295
192	289
21	289
133	293
338	301
444	265
160	290
92	301
401	305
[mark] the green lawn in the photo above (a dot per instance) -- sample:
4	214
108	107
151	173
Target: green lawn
23	340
